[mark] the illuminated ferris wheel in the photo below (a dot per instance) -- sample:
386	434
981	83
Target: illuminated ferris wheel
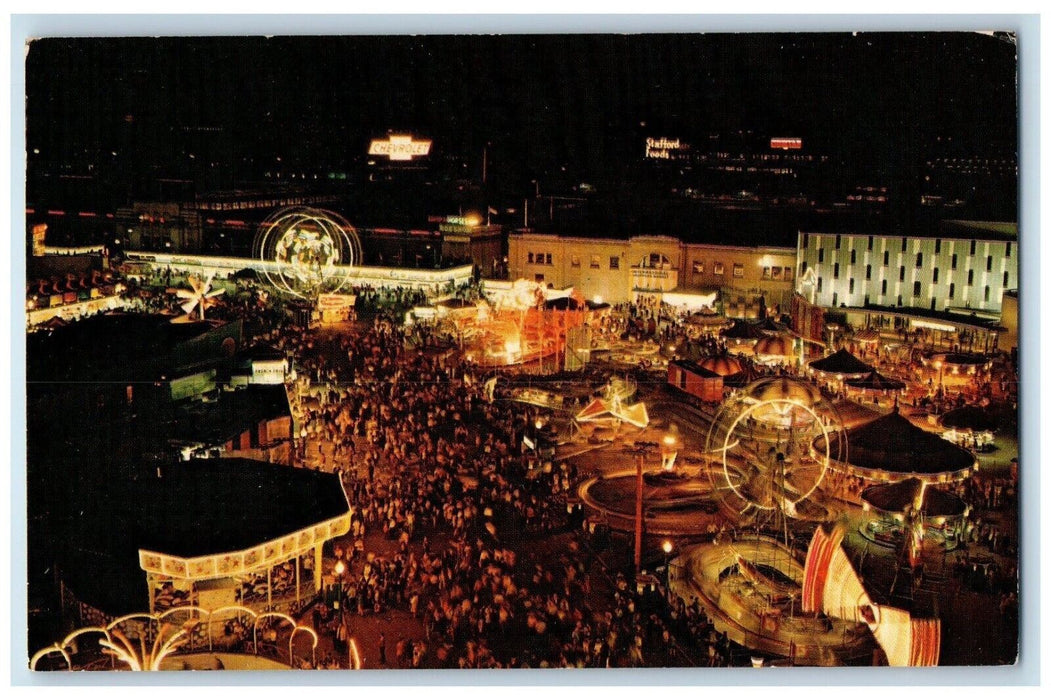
307	251
764	470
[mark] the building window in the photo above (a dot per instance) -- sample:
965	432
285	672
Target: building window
952	290
853	256
821	255
738	270
916	288
802	268
819	284
937	246
614	262
1005	279
935	279
919	259
806	240
574	261
883	288
901	274
530	259
788	273
837	241
835	271
766	273
538	278
1007	253
539	257
866	300
717	269
934	303
970	277
835	298
974	245
547	258
904	243
989	263
851	285
870	242
698	267
886	257
899	300
954	261
987	292
595	263
868	272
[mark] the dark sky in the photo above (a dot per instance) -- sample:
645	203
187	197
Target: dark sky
541	101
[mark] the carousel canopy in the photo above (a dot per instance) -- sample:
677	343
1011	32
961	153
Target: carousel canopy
775	345
874	381
746	376
841	362
892	447
742	330
784	389
897	497
974	418
723	365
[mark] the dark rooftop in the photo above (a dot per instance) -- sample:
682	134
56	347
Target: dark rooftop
209	506
215	422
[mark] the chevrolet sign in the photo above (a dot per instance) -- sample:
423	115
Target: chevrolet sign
399	148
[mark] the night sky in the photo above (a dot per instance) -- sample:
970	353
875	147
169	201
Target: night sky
542	102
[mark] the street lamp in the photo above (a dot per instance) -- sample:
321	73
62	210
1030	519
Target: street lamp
340	569
669	451
667	547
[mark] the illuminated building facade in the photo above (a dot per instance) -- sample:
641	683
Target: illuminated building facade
961	266
617	270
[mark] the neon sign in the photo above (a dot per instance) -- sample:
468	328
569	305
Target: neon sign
399	148
786	144
665	148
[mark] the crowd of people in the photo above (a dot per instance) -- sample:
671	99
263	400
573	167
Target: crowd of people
443	472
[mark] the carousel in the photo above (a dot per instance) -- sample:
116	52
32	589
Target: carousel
838	366
874	386
775	350
972	427
954	369
892	448
221	532
894	509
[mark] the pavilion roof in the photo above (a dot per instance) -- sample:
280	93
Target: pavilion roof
892	446
841	362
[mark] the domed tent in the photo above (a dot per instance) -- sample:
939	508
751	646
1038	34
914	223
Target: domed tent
891	448
723	365
841	364
774	348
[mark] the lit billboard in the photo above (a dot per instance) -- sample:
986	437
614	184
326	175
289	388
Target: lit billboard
399	147
785	143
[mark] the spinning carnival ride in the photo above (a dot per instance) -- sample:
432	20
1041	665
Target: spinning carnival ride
308	251
762	467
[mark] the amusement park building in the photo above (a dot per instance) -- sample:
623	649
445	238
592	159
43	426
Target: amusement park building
618	270
957	266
